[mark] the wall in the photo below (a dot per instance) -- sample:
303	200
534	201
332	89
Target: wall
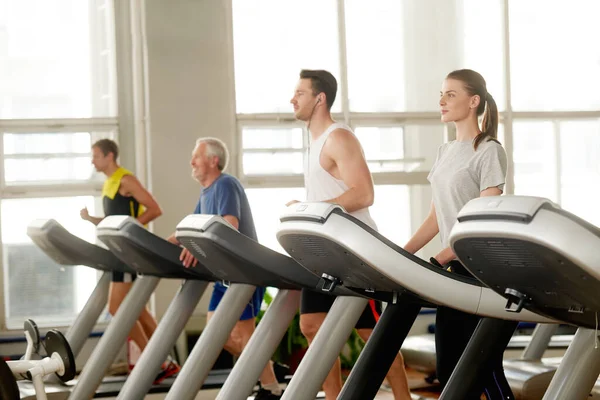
191	94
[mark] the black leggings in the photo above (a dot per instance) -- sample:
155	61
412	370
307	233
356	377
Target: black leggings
453	329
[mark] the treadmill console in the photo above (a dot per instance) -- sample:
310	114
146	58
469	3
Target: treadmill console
115	222
39	224
507	208
200	222
308	211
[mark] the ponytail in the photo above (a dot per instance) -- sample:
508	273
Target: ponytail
489	125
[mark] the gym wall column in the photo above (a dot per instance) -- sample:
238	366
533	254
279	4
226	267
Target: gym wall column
190	95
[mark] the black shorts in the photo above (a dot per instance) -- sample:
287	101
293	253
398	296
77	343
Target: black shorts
315	302
122	277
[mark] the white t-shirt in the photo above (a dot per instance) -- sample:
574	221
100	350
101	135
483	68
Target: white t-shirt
459	174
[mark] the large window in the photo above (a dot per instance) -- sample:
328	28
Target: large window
266	205
396	62
273	38
379	52
57	97
390	58
482	44
37	287
272	151
535	159
555	57
49	157
559	160
57	59
580	168
375	77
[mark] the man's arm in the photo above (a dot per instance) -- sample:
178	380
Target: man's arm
173	239
186	258
343	148
132	186
229	202
232	220
85	215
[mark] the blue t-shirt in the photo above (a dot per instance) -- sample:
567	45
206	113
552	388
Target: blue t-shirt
226	196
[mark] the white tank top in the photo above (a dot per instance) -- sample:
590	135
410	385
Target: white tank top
321	185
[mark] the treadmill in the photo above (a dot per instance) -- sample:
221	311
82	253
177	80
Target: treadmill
544	259
152	258
344	251
242	261
69	250
528	374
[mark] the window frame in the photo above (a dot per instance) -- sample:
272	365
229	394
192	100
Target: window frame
50	126
17	190
353	119
104	29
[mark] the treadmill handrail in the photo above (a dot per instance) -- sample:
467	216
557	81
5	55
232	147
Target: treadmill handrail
67	249
130	230
323	210
246	249
471	280
474	298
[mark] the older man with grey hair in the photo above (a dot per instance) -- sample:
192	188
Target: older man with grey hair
224	195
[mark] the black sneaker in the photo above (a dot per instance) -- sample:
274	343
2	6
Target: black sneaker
282	372
264	394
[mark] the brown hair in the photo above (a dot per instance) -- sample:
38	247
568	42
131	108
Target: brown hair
322	82
108	146
475	85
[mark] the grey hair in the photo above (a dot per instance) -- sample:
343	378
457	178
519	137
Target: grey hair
216	148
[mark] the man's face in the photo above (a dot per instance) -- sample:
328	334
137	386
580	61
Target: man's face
99	160
304	101
201	163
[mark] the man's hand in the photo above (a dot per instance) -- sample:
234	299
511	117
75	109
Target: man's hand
84	214
289	203
187	259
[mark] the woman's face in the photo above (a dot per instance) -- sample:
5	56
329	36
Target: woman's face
456	104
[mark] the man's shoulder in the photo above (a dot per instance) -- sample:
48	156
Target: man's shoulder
129	177
342	132
227	180
341	136
123	175
228	183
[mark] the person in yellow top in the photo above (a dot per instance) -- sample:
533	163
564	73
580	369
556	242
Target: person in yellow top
123	194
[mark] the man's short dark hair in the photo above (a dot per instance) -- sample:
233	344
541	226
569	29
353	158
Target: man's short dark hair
322	82
107	146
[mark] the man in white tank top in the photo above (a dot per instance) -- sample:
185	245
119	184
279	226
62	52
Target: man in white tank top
336	172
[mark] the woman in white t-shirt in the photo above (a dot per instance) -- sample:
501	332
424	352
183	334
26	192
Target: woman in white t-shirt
473	165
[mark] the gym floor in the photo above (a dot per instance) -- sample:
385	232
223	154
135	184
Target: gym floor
415	380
